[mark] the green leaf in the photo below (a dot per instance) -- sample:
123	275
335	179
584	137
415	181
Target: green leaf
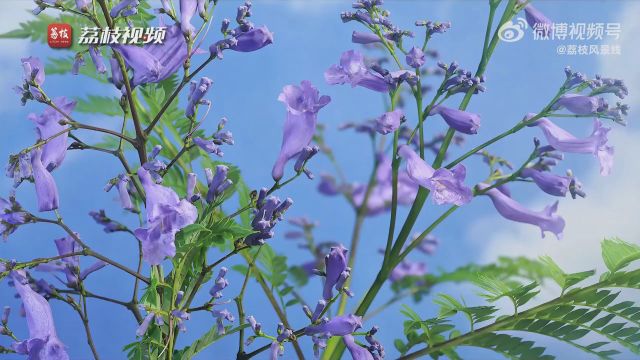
204	341
617	254
563	279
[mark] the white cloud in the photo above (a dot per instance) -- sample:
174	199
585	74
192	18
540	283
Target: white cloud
611	206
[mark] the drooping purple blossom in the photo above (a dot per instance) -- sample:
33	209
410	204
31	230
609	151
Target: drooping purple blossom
220	316
144	325
446	185
407	268
43	342
252	40
48	125
415	57
462	121
97	59
78	61
353	70
546	220
153	63
196	93
538	21
70	265
581	104
389	121
166	215
337	326
122	184
187	10
305	155
550	183
46	189
303	103
116	74
358	37
33	75
219	284
595	144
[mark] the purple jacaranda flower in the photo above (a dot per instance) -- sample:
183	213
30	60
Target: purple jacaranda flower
43	342
116	74
304	156
601	85
144	325
275	350
219	284
83	5
550	183
166	215
538	21
335	264
546	220
252	40
97	59
446	185
268	213
122	184
19	168
187	10
318	310
255	326
11	216
109	224
197	92
208	146
358	37
192	182
389	121
218	183
70	265
415	57
78	61
319	343
180	316
353	70
357	352
153	63
462	121
581	104
47	125
303	103
221	315
46	189
33	73
283	333
338	326
5	314
407	268
123	6
327	185
595	144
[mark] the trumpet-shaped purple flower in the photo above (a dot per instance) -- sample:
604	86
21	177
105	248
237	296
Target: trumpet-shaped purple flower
116	74
122	184
78	61
446	185
353	70
595	144
581	104
550	183
546	220
338	326
196	93
462	121
537	20
166	215
46	189
48	125
97	59
389	121
252	40
220	316
357	352
335	265
415	57
70	265
358	37
33	73
43	342
407	268
155	62
218	183
187	10
303	103
219	284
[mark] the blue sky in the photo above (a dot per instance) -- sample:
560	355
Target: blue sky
309	37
